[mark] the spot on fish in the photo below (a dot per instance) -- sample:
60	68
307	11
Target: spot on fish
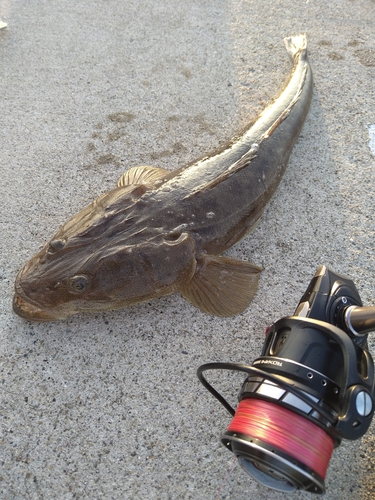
55	245
210	215
180	228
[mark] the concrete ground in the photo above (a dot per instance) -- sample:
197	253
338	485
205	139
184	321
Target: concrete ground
109	405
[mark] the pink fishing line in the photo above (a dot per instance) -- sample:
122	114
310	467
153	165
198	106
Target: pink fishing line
286	431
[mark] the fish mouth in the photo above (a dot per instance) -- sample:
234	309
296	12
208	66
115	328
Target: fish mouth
32	312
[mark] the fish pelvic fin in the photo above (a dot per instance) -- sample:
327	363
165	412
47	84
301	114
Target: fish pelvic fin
142	175
222	286
295	44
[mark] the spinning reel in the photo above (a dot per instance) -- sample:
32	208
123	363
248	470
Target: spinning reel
312	386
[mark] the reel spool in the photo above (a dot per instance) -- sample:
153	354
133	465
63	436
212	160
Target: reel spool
312	386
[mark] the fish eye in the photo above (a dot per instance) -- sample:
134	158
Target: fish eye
55	245
79	283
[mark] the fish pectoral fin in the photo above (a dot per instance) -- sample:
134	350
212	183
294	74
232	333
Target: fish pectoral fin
142	175
222	285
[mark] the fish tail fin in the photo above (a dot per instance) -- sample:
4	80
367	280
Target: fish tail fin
295	44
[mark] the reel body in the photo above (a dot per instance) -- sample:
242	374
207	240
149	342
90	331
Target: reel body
312	386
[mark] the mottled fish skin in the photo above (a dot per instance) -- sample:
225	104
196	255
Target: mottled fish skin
159	232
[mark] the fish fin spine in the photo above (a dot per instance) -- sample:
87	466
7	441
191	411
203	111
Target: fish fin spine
142	175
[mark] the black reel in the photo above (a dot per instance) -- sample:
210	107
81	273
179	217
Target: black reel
315	377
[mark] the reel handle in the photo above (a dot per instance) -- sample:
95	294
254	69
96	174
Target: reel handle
360	320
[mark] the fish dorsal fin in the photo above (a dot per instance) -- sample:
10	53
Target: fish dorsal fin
142	175
222	285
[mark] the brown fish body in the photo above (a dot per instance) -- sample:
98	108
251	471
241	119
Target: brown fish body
159	232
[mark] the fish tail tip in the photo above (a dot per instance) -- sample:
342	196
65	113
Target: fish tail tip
295	44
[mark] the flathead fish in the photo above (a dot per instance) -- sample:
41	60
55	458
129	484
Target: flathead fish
159	232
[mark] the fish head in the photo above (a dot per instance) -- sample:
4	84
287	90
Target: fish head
102	260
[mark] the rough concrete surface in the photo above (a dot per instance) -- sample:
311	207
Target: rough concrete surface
109	405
